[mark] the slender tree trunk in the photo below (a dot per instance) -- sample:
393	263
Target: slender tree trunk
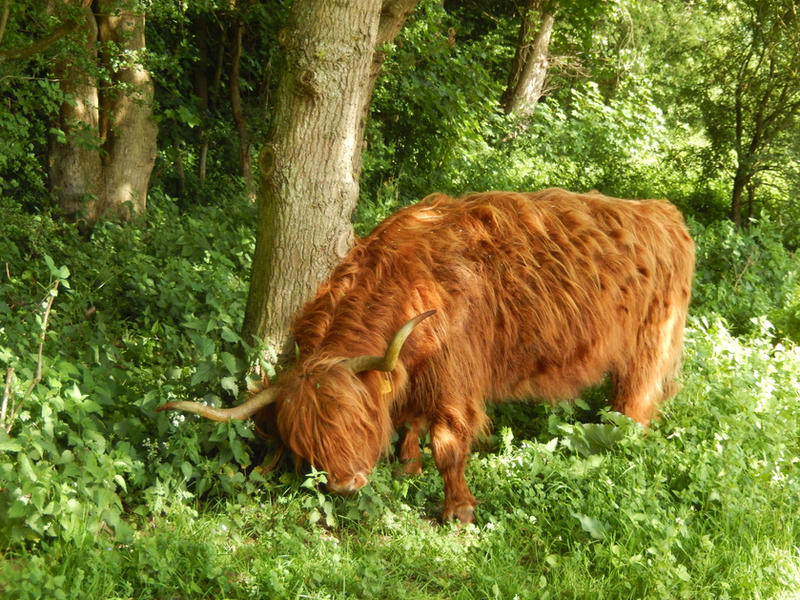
205	87
394	14
238	112
308	168
740	181
529	68
101	167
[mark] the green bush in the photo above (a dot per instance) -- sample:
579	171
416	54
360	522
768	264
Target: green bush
744	276
144	313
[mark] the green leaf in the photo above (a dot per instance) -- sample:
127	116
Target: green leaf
205	372
8	444
229	335
591	526
229	384
26	468
229	360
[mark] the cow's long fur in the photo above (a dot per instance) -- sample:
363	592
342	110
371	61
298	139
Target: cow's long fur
537	295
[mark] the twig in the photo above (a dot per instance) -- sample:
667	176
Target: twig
9	380
744	270
38	376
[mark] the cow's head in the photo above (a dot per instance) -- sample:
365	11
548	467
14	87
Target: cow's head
330	410
331	416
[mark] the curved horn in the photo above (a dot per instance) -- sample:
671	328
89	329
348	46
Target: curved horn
237	413
388	361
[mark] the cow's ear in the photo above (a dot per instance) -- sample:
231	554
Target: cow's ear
388	361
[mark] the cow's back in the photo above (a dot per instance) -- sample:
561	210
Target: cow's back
537	293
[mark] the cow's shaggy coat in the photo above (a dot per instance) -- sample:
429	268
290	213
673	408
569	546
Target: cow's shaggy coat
536	296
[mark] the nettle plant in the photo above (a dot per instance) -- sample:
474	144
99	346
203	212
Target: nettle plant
93	334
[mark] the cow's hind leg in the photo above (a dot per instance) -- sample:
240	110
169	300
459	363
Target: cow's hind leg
450	444
649	376
636	396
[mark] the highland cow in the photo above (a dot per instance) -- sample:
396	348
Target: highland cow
509	296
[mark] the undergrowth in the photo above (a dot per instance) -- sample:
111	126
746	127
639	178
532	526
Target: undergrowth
102	498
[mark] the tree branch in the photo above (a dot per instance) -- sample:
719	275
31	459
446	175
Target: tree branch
4	19
39	45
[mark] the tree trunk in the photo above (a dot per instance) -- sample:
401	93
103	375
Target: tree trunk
238	112
74	164
529	69
751	202
393	16
740	181
101	167
130	137
308	167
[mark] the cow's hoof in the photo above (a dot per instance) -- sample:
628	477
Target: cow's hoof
464	513
412	467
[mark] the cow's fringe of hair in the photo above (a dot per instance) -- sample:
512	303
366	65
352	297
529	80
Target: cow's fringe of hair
346	424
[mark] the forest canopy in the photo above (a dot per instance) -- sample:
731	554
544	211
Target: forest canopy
143	146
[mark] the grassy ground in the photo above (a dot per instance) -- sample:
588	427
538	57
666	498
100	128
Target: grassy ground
101	499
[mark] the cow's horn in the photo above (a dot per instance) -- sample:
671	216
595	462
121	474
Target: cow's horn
237	413
388	361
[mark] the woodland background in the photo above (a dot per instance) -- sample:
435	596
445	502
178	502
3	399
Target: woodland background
111	304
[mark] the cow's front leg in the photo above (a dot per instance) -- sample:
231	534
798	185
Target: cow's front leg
450	445
409	452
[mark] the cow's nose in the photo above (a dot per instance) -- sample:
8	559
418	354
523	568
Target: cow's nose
347	485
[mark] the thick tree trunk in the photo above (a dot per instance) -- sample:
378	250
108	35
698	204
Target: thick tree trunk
101	168
130	134
751	202
75	167
529	69
308	167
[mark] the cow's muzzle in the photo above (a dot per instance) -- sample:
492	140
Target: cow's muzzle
347	485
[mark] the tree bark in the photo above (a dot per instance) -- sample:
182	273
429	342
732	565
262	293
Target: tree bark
101	167
130	132
740	181
529	68
308	167
75	167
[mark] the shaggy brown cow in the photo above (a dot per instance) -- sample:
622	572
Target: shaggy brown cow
535	295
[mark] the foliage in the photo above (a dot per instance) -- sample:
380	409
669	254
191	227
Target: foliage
732	73
436	124
138	300
745	276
